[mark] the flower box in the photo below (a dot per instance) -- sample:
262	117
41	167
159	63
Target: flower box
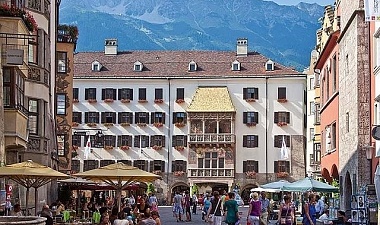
180	124
74	154
125	100
250	174
92	124
125	124
92	100
30	22
75	124
75	100
108	100
282	100
75	147
141	124
250	100
179	148
107	147
157	147
282	174
280	124
253	124
124	147
142	101
179	101
179	173
108	124
158	101
158	124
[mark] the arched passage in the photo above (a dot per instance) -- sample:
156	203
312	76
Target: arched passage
246	191
326	175
334	172
347	191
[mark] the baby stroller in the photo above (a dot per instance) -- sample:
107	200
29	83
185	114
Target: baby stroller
272	218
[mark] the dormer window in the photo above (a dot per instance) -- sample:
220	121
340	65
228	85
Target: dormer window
96	66
192	66
137	66
235	66
269	66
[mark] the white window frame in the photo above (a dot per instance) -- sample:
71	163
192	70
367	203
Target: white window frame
269	63
235	66
96	66
192	66
138	66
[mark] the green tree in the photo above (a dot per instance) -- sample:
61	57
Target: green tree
195	189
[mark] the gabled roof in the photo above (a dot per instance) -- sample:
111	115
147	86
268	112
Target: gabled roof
211	99
175	64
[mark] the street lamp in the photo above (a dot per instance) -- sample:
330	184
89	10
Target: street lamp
369	153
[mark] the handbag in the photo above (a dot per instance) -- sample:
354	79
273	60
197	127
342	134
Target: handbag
283	219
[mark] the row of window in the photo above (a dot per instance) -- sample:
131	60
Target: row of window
249	118
144	141
178	165
127	93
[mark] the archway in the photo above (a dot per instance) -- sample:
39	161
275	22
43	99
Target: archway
347	191
179	187
334	172
246	191
326	175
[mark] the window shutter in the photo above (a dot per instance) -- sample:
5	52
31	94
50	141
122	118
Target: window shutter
152	115
174	118
184	166
119	141
86	94
185	140
131	94
103	94
256	93
163	166
174	140
245	93
173	166
119	117
145	165
86	117
129	140
114	94
276	166
287	139
244	166
275	144
256	119
163	140
137	117
287	164
152	141
137	141
287	117
256	144
185	118
244	141
114	117
97	117
275	117
256	164
163	118
103	120
151	165
113	140
119	94
245	117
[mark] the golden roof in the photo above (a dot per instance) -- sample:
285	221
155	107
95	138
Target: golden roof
211	99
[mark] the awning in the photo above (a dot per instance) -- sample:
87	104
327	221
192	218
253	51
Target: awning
211	99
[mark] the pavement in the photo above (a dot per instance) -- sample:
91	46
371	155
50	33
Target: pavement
166	216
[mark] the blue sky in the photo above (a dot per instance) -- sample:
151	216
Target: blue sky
295	2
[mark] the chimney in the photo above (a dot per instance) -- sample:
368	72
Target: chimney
242	47
110	47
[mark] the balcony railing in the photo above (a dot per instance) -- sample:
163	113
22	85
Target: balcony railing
211	172
211	138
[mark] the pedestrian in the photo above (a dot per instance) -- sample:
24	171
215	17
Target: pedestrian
319	205
214	213
177	206
309	212
195	203
187	204
286	213
121	219
254	210
206	206
264	208
46	212
231	210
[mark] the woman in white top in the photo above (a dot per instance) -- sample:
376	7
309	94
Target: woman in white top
121	219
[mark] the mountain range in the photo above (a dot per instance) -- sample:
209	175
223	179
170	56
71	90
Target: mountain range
285	34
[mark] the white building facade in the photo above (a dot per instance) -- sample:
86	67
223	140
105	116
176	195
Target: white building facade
216	120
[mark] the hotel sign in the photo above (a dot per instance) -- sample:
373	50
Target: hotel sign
15	56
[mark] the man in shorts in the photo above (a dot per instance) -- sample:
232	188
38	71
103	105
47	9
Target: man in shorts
177	206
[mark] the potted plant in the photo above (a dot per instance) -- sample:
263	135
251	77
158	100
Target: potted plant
125	124
142	101
124	100
180	100
250	100
91	100
75	100
282	100
157	172
67	33
141	124
74	154
180	124
282	174
108	124
75	147
13	11
124	147
91	124
157	147
179	148
179	173
158	125
75	124
280	124
250	174
158	101
108	147
108	100
253	124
